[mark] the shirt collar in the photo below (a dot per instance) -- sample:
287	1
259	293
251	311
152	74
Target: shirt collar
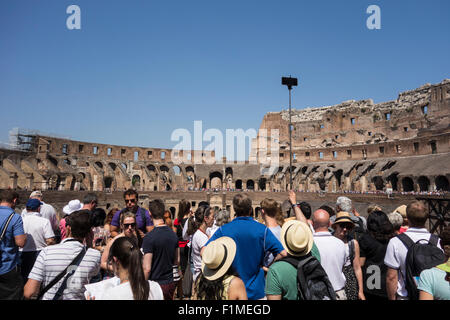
323	234
243	218
33	213
418	230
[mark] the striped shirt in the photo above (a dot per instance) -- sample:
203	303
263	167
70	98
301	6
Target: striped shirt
54	259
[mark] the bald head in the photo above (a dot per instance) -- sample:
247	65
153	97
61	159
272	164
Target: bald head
321	220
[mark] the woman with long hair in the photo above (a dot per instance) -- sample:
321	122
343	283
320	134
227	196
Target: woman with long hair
128	229
218	280
354	288
184	208
373	245
204	218
125	257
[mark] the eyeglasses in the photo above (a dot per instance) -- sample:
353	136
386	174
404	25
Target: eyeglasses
127	225
130	200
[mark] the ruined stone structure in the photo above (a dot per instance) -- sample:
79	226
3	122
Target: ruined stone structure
358	146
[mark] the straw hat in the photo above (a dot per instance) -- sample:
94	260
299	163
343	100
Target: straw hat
401	210
342	217
74	205
296	238
217	257
445	266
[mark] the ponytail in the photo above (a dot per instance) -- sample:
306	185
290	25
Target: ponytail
130	257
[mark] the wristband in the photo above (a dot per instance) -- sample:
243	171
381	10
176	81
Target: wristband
294	205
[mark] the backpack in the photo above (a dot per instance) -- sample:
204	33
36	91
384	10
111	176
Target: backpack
312	280
420	256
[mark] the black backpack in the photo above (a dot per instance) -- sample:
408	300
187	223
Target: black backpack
420	256
312	280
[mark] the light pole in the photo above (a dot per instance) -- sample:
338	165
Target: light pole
290	82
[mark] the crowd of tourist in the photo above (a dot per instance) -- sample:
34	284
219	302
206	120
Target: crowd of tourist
285	251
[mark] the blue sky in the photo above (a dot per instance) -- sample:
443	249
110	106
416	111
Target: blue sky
137	70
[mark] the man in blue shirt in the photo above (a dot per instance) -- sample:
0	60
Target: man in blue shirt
253	240
11	283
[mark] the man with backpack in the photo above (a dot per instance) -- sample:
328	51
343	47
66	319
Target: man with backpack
333	252
299	275
12	237
410	253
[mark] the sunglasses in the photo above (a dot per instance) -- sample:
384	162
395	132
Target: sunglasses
127	225
130	200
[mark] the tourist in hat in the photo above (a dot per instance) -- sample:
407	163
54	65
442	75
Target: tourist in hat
47	211
354	288
297	240
402	211
39	234
72	206
434	283
218	280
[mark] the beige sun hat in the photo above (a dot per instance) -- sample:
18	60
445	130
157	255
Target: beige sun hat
217	257
401	210
342	217
296	238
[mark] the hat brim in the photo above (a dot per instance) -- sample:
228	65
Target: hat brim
67	209
344	220
214	274
306	228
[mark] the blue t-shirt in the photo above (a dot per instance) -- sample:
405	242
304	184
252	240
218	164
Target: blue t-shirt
9	251
253	240
433	282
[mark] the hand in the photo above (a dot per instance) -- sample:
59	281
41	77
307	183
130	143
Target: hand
292	197
88	297
361	296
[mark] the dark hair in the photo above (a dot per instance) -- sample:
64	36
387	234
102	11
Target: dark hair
306	209
90	197
157	208
200	214
328	209
183	208
98	217
8	196
203	203
130	192
110	215
379	226
242	204
212	289
130	257
80	223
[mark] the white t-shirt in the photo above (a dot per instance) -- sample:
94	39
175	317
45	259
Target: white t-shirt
210	231
37	230
333	255
198	241
48	212
123	292
396	251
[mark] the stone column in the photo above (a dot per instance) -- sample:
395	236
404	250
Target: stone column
13	177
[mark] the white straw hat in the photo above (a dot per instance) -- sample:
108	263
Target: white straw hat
74	205
218	257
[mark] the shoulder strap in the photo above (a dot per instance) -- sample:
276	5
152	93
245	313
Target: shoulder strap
407	241
6	225
434	240
75	261
351	248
